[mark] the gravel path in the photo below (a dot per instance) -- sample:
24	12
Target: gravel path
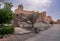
53	34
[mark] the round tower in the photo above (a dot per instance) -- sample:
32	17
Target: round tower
20	7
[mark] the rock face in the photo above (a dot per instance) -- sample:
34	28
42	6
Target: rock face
21	21
21	31
42	26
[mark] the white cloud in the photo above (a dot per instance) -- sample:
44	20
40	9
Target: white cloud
37	4
1	5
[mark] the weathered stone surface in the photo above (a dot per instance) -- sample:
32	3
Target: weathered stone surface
21	31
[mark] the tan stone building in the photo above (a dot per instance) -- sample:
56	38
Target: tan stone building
20	9
58	21
42	15
48	19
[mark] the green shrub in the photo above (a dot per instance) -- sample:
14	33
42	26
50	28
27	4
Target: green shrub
6	30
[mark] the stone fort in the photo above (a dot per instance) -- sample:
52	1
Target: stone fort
42	17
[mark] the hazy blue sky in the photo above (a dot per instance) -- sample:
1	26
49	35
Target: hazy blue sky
52	7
